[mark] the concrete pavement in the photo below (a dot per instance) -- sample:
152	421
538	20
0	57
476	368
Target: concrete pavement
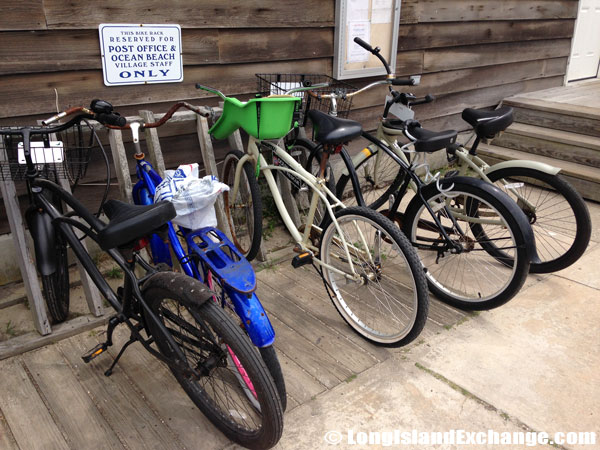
530	365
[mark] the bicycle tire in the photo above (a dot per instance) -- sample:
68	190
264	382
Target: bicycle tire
268	354
375	193
207	335
481	200
246	228
56	287
561	202
379	322
271	360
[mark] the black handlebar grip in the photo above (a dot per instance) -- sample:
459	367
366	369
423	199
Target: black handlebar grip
363	44
114	119
428	99
403	82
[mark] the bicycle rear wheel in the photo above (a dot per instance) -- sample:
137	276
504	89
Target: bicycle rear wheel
471	278
557	213
244	212
226	379
388	304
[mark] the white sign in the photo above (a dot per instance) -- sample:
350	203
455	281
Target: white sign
355	52
140	54
382	11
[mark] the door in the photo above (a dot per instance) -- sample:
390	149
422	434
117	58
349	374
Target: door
585	53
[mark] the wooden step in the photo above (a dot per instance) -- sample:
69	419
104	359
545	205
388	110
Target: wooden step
555	115
556	144
585	179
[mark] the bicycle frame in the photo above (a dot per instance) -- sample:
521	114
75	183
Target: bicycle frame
124	302
466	161
320	191
397	153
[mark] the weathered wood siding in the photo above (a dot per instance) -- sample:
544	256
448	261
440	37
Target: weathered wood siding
470	52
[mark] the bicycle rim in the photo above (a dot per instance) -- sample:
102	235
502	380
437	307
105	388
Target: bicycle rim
557	213
384	305
244	211
473	275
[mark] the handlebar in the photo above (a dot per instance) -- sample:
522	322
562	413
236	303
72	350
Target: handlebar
375	51
101	111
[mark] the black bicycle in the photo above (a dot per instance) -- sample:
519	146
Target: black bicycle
454	222
172	315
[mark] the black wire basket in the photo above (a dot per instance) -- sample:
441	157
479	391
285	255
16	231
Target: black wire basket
280	83
63	155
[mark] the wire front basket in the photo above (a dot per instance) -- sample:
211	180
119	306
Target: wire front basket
62	155
280	83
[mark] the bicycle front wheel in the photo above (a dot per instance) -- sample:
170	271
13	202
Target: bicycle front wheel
557	213
55	287
268	354
388	302
227	379
475	216
244	212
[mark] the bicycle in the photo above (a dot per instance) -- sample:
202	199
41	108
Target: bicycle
210	258
369	269
453	221
184	328
557	213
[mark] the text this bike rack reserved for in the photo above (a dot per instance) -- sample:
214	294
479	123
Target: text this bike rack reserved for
140	54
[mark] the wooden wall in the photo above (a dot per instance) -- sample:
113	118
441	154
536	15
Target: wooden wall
471	53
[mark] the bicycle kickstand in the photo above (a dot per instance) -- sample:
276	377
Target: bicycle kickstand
131	340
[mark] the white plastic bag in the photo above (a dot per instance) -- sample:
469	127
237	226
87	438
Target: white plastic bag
192	197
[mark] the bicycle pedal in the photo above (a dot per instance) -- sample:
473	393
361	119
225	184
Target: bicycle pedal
93	353
301	260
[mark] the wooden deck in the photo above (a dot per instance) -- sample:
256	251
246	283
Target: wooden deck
50	399
581	94
560	127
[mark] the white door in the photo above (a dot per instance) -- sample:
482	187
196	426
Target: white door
585	54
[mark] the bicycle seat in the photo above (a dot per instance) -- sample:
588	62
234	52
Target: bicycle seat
333	130
131	222
488	123
427	140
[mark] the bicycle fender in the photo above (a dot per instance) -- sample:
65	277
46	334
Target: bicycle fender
527	238
256	322
525	164
43	234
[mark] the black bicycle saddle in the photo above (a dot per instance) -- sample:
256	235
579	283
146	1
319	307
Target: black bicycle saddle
488	123
333	130
131	222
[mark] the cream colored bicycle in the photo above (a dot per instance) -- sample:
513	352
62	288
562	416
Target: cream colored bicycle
370	271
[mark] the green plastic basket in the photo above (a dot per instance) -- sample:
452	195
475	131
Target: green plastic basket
263	118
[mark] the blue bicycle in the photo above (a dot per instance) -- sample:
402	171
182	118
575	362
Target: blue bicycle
211	258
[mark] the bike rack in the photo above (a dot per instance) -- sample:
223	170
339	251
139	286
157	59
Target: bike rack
27	264
156	158
120	158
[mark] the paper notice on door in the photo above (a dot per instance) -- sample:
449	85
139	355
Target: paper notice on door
382	11
355	53
358	11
